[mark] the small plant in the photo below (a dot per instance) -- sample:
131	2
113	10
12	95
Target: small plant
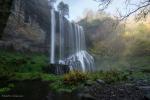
4	90
74	78
7	88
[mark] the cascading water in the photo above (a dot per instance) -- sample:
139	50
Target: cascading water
61	38
53	32
72	47
79	59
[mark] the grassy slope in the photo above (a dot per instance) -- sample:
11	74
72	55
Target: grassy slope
21	62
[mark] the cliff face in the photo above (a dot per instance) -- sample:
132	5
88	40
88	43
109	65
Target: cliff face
28	26
5	6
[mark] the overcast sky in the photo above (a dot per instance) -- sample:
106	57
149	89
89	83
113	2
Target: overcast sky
77	7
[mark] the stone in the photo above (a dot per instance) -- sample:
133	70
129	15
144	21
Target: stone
28	32
86	97
146	91
5	6
147	96
129	84
99	81
89	83
57	69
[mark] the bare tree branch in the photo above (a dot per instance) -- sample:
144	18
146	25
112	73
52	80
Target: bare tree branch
134	11
141	8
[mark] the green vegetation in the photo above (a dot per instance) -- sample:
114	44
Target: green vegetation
15	66
74	77
70	82
12	62
75	80
7	88
117	47
121	55
115	76
4	90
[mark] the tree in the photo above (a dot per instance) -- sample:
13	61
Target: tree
141	8
63	8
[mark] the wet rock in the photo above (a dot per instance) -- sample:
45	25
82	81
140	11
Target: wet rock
1	44
57	69
146	91
86	90
86	97
147	97
99	81
5	6
129	84
89	83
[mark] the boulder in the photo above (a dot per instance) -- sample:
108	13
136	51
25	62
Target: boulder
99	81
86	97
146	91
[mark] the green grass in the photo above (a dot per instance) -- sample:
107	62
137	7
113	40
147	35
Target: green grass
12	62
7	88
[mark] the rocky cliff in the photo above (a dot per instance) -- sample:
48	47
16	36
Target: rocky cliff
28	26
5	6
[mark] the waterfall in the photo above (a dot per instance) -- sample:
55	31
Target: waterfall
72	47
52	37
61	39
79	58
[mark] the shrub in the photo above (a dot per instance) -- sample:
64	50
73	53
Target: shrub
74	78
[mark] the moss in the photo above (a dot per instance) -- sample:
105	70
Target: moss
4	90
69	82
59	86
7	88
109	76
12	62
50	77
25	76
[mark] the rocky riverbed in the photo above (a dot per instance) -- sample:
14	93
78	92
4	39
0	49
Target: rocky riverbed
139	90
